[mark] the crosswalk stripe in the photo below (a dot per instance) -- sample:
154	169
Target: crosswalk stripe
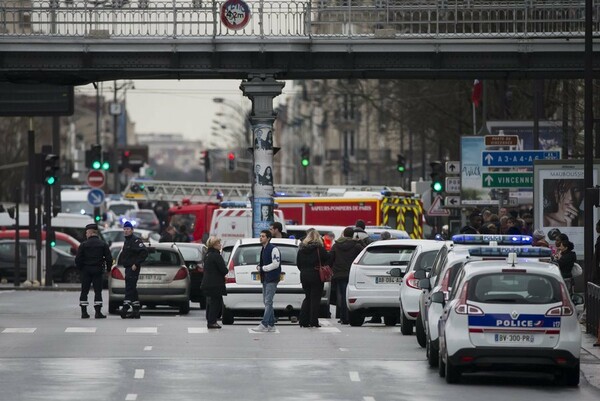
142	330
329	330
80	330
139	374
324	322
197	330
354	376
148	348
131	397
24	330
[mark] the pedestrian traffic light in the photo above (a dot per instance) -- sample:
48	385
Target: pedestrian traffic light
401	164
305	156
51	168
438	176
231	161
95	157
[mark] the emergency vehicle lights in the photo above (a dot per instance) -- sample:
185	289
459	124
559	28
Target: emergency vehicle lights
475	239
505	251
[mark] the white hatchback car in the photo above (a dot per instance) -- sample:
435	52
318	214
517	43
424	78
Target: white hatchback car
509	315
244	289
371	287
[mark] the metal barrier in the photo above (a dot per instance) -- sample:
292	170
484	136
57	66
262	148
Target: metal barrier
592	314
99	19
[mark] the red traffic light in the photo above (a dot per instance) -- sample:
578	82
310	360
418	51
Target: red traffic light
127	153
231	156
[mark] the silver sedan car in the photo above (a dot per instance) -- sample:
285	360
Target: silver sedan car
164	280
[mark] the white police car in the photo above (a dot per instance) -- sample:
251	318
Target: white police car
509	315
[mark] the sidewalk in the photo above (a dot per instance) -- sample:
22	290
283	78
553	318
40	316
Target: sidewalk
590	359
55	287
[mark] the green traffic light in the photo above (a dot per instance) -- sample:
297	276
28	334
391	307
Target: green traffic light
96	164
52	244
305	162
105	166
401	169
437	186
50	180
97	218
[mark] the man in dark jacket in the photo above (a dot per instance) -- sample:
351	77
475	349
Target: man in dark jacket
168	235
269	266
93	256
341	256
133	254
277	230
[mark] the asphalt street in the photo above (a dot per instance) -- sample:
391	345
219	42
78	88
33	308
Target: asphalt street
48	353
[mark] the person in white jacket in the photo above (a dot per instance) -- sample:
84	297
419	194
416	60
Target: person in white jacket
269	267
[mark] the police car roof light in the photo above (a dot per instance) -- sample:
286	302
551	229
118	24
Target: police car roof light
520	252
475	239
511	259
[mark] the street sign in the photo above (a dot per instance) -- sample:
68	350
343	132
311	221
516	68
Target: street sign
501	140
436	208
95	197
452	201
516	158
507	180
453	185
96	178
453	167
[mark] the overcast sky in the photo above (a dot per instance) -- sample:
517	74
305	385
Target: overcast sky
179	107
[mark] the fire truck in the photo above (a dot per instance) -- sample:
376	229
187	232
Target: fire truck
319	205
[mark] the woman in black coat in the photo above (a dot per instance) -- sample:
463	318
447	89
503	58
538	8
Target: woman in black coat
566	261
310	251
213	281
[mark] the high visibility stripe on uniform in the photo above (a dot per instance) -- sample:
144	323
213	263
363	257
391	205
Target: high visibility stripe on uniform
98	303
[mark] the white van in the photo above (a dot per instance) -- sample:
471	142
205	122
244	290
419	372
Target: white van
232	224
68	223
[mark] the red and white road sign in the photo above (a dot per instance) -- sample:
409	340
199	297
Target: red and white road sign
96	178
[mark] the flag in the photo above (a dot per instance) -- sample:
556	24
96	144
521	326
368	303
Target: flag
477	93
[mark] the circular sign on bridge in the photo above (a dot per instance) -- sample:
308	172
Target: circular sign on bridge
235	14
96	178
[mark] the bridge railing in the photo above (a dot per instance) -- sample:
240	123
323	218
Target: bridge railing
280	18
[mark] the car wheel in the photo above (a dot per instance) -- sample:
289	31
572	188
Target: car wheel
441	365
184	308
406	325
390	320
420	331
356	318
452	372
72	276
227	316
432	354
113	307
571	376
324	311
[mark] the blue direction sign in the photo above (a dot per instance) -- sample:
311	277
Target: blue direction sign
95	197
516	158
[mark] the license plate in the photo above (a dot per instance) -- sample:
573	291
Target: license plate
387	280
151	277
513	338
256	276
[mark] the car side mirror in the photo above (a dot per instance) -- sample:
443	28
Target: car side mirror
424	284
396	272
438	298
577	299
420	274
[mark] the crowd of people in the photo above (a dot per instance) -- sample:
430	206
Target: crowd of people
505	222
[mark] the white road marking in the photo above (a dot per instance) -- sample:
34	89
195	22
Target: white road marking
139	374
343	349
197	330
142	330
80	330
368	398
354	376
131	397
329	330
264	332
148	348
324	322
19	330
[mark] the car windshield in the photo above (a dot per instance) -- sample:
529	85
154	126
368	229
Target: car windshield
397	255
514	288
190	254
121	209
78	207
142	215
162	257
250	254
188	220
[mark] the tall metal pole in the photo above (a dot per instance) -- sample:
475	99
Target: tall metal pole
31	174
114	157
17	281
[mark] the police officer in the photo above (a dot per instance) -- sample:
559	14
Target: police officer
133	254
93	256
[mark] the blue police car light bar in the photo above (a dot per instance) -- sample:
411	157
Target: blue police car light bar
481	239
522	252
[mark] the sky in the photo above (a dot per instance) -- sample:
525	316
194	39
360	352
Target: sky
180	107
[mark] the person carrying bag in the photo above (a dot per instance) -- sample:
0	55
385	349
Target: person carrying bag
308	261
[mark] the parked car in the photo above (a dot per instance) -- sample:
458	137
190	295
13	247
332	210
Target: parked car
244	289
193	256
64	241
164	280
63	263
142	218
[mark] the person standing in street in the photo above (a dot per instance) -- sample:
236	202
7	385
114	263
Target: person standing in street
168	235
133	254
341	256
213	281
311	255
277	230
269	266
93	256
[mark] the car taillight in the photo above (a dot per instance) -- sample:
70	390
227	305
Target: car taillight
411	281
565	308
182	273
230	277
116	273
462	307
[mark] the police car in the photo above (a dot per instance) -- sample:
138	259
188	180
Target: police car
508	315
449	261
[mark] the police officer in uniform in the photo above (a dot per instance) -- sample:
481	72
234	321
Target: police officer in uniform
93	256
133	254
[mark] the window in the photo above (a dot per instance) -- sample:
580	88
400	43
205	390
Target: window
250	254
387	256
425	260
514	288
162	257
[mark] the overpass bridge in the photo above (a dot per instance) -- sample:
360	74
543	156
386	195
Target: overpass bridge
82	41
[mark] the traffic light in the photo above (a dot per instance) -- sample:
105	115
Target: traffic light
231	161
51	238
105	161
205	159
95	157
51	168
97	214
401	164
305	156
438	176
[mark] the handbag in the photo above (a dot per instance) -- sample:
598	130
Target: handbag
325	272
576	270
